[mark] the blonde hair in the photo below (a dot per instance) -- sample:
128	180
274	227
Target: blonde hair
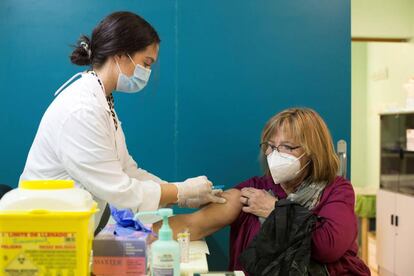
308	129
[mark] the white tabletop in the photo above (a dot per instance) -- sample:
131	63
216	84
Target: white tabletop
197	259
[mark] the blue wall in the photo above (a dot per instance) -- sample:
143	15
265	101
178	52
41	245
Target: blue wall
224	68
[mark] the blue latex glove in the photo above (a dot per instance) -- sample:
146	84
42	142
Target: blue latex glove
125	222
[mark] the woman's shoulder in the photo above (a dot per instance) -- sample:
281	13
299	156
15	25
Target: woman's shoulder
81	96
339	190
258	182
264	183
340	183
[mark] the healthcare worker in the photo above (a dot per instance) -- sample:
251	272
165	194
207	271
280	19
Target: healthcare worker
80	136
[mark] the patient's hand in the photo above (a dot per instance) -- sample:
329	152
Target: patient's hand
257	202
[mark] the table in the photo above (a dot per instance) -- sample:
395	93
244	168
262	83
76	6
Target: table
198	259
365	208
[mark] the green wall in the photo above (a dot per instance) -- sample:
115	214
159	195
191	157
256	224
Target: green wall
359	113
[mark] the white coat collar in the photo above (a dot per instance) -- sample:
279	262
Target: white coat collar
95	87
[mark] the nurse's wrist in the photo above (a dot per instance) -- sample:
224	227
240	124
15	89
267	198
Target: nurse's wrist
169	194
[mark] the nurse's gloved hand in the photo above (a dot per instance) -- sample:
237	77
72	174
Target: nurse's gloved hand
213	197
197	191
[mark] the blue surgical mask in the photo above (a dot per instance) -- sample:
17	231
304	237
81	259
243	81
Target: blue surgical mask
134	83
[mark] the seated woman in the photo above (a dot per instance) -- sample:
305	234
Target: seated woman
301	165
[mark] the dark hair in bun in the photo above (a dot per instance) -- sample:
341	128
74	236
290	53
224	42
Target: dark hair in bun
117	34
82	53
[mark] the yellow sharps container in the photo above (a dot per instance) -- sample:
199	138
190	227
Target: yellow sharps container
46	229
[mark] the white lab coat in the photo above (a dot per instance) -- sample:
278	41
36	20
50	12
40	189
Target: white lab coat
77	140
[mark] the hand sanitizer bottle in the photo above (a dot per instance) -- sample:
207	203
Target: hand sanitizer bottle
165	252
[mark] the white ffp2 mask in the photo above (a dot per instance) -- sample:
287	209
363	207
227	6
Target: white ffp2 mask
283	167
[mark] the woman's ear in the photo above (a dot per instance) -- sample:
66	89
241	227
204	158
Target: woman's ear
116	58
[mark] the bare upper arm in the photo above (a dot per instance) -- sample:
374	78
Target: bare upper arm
209	219
216	216
224	214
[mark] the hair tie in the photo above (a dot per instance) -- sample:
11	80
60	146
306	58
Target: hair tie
86	47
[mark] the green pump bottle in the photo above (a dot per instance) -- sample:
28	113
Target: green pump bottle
165	252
